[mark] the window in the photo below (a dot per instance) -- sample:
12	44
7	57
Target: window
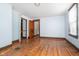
73	20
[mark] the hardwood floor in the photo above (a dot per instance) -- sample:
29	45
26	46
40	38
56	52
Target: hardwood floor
41	47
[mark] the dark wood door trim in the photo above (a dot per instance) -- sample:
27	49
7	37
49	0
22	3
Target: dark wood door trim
31	29
22	28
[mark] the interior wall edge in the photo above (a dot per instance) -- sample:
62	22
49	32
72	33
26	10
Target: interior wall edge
72	43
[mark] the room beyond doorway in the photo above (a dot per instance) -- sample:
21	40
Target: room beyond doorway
23	28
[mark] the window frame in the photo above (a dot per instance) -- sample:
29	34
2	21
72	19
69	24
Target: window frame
75	36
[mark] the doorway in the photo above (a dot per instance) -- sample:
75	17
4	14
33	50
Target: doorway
36	27
31	29
23	28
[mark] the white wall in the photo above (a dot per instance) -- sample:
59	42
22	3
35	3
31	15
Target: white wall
5	24
17	25
16	16
52	26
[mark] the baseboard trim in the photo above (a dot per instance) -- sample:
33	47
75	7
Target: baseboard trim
52	37
9	45
15	41
72	44
60	38
36	35
41	37
6	47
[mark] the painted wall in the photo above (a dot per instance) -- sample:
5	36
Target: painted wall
52	26
17	24
71	39
5	24
16	16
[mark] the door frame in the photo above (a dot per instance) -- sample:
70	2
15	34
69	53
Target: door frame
30	37
22	28
39	25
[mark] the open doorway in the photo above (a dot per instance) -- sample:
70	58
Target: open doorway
37	27
23	28
34	28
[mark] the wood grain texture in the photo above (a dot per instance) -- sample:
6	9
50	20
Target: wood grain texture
31	29
41	47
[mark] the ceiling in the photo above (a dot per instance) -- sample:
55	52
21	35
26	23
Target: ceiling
44	10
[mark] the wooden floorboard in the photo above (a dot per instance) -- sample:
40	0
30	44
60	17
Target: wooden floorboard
41	47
